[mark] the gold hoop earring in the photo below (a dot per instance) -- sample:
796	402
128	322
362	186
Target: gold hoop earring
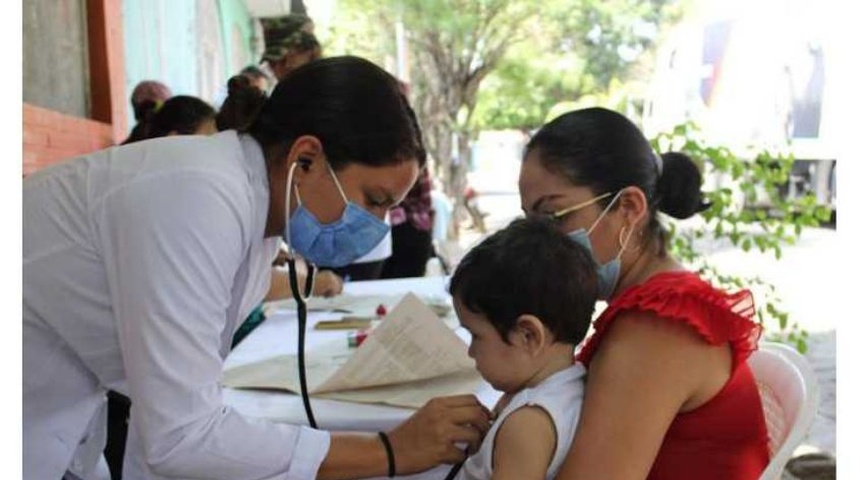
622	243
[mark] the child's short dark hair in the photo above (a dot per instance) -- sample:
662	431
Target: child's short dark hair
529	267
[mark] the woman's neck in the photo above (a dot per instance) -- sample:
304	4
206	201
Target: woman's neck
646	263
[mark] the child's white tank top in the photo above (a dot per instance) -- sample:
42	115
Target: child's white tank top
560	395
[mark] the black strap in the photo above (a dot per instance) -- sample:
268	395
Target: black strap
454	470
392	467
302	313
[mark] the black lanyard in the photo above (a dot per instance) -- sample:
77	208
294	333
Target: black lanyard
301	302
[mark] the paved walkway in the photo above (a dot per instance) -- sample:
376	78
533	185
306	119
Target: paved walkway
822	355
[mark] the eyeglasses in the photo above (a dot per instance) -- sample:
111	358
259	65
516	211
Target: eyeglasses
558	215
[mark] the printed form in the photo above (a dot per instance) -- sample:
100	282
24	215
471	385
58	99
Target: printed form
409	358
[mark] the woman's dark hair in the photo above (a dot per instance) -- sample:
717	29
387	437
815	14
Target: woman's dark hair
253	71
241	106
143	114
529	267
146	97
350	104
604	151
182	114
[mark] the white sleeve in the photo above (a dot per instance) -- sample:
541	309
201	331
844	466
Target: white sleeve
171	246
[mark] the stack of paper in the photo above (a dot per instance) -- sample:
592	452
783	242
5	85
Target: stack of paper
411	357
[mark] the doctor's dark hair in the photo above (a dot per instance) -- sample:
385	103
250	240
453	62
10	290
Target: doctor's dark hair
529	267
351	105
604	151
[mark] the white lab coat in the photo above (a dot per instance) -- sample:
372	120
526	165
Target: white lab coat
140	262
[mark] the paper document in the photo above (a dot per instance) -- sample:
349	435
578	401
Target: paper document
411	357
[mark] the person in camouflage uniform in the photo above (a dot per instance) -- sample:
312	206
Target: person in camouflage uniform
290	43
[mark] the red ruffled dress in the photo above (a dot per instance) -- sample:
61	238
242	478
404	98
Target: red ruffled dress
725	438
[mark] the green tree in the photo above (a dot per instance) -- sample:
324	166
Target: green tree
543	50
588	53
752	214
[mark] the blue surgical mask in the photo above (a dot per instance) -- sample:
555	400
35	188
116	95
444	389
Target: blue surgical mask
335	244
609	272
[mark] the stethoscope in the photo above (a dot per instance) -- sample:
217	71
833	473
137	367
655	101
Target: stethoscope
302	313
301	302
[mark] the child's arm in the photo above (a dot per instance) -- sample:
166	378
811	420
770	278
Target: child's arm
524	445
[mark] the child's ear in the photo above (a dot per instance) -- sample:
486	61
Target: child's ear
532	334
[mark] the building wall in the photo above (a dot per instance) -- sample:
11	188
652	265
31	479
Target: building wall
160	43
241	45
55	53
83	58
73	79
192	46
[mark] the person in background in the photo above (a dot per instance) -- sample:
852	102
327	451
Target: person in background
244	100
525	324
411	232
179	115
670	394
287	54
146	97
257	77
442	211
368	266
182	115
277	30
254	75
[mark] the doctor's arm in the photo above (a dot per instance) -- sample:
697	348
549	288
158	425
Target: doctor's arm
426	439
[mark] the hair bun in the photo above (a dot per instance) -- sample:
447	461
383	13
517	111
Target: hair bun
237	84
679	188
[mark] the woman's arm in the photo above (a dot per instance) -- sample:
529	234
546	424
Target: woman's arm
645	372
426	439
524	445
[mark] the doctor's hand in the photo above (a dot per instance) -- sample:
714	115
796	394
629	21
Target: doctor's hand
430	436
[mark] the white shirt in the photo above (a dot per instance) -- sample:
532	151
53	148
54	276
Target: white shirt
381	251
140	262
560	395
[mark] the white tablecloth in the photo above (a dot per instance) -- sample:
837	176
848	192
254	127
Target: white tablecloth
278	335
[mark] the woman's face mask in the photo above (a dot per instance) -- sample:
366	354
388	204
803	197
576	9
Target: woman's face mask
334	244
609	272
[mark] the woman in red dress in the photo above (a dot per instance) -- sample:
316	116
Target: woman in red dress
669	393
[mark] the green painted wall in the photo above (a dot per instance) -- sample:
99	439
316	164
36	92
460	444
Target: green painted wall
161	43
165	40
237	29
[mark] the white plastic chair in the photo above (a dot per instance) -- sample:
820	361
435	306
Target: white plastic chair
789	395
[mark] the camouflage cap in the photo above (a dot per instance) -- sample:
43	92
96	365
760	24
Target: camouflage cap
290	32
299	41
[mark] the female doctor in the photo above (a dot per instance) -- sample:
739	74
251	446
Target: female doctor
140	261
